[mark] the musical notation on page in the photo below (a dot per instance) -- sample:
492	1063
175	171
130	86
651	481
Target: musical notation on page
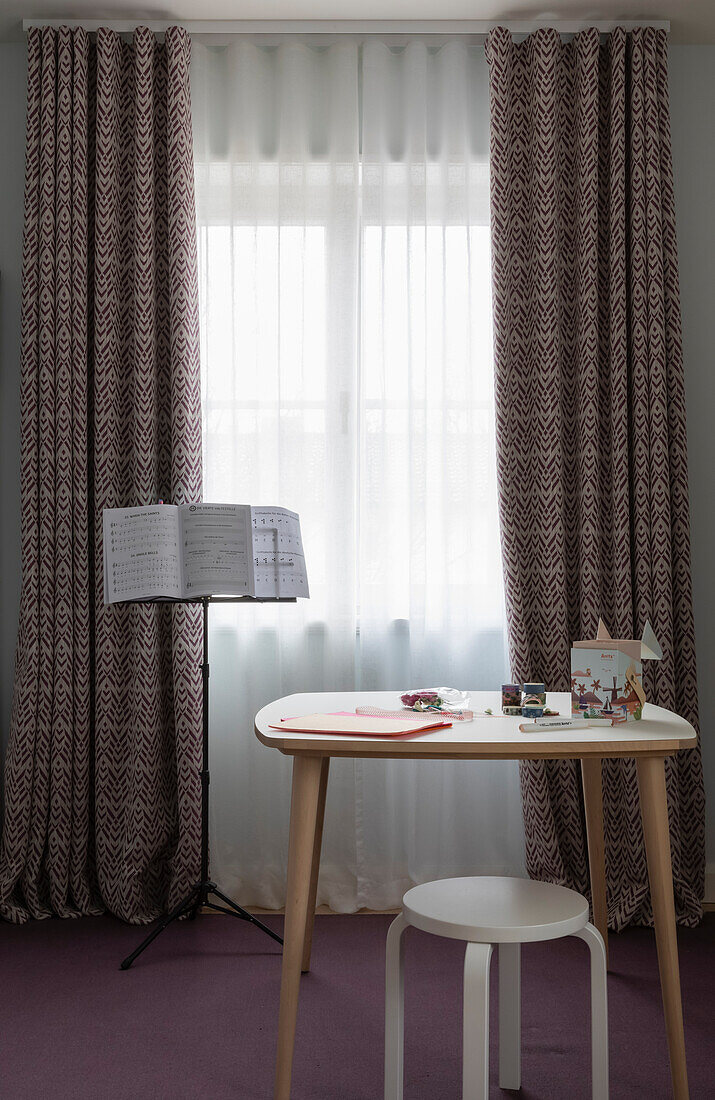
277	547
141	551
194	550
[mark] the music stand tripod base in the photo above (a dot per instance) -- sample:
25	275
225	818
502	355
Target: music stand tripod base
201	893
198	897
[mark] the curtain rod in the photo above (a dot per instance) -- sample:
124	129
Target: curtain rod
478	28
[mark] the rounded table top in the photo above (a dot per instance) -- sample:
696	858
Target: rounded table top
487	909
487	737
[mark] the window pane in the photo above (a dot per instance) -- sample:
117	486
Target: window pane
428	480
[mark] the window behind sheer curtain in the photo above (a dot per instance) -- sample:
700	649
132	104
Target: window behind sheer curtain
342	197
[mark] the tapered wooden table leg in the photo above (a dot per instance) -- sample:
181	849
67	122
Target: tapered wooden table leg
315	866
305	798
654	811
593	805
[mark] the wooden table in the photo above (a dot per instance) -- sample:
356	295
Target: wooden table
659	734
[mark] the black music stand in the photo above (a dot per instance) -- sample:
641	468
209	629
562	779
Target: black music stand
204	889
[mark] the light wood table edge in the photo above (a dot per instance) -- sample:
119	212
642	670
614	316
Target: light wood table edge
397	748
601	753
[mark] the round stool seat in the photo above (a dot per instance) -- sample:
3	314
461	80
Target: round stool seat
487	909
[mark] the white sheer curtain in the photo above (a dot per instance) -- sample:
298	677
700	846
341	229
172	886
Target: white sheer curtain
342	202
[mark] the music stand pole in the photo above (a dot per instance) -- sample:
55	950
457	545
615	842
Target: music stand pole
202	891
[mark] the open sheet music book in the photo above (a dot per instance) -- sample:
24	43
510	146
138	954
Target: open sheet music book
191	550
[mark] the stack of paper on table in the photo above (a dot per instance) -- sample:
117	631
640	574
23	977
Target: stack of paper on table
358	724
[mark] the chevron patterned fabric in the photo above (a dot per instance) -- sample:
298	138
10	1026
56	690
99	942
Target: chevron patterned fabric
592	459
102	790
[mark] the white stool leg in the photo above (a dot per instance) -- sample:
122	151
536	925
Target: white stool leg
510	1016
599	1012
395	1010
475	1028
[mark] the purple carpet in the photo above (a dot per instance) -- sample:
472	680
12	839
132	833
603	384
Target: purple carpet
196	1015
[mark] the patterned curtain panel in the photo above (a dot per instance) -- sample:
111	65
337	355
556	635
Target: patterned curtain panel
102	792
591	418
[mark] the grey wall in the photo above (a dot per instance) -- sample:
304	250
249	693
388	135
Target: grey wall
692	105
692	83
12	167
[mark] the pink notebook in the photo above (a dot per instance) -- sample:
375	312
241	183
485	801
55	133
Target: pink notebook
359	725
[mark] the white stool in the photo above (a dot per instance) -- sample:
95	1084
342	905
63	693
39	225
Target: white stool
484	911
